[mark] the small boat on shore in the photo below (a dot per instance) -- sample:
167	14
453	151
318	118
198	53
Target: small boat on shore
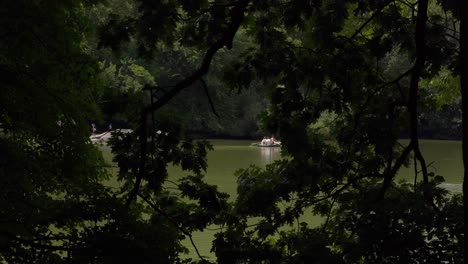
105	136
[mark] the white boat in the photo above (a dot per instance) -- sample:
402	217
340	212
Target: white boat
104	137
274	145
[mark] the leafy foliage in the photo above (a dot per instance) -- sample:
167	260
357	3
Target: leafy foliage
358	62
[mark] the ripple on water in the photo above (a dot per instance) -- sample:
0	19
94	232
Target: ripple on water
453	187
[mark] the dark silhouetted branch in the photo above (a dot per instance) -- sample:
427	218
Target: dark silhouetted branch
174	223
420	39
205	87
464	95
237	15
391	171
374	15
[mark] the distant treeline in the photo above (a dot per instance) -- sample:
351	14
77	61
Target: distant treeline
221	106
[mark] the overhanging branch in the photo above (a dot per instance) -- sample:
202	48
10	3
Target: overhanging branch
237	16
374	15
174	223
205	88
420	39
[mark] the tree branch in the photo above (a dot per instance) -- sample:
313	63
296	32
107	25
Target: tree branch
420	39
374	15
464	94
225	41
237	16
391	172
205	87
173	222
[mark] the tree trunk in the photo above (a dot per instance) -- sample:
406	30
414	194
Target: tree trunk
464	95
420	39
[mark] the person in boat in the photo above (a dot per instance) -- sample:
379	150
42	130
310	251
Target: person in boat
272	140
263	141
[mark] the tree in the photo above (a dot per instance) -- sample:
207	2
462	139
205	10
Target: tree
464	93
317	58
371	108
58	201
49	170
334	64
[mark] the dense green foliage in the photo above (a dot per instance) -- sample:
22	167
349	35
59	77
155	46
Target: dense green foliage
237	109
49	173
343	67
59	203
338	81
127	73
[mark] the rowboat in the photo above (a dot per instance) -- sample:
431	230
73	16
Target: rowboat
104	137
277	144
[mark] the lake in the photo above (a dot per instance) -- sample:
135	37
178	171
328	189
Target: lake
444	157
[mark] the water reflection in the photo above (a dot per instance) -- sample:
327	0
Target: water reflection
230	155
269	154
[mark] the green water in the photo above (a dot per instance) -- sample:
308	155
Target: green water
443	158
228	156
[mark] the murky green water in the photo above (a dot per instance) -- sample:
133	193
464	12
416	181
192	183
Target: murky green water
228	156
443	158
